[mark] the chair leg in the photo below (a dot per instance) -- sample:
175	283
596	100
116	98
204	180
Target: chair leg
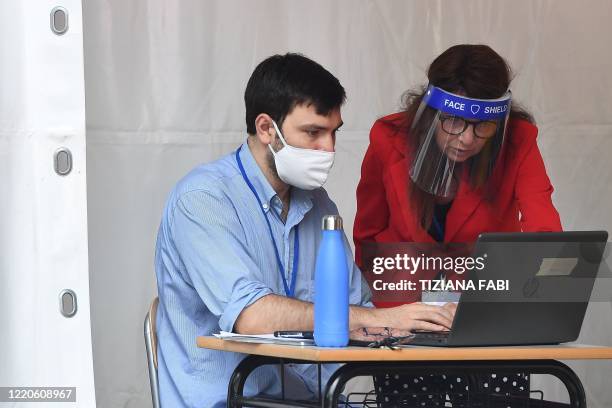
153	380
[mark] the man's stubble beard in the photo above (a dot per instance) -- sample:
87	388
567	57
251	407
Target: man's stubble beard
276	145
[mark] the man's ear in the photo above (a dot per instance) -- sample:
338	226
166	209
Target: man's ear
264	129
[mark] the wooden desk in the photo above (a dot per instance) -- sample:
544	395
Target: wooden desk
415	359
413	353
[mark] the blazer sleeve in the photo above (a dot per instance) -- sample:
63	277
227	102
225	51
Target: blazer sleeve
533	192
372	209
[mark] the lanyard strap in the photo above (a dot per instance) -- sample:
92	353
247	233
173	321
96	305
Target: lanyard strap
296	242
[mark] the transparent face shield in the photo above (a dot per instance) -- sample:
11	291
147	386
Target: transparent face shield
453	130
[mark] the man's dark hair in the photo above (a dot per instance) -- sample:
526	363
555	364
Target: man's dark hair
281	82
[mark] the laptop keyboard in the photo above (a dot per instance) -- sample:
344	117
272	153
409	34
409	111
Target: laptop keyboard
432	335
430	338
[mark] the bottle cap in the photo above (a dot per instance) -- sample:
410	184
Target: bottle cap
331	222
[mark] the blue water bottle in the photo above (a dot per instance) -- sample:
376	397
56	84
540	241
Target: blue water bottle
331	300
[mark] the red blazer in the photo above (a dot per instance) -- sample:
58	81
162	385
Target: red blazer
522	202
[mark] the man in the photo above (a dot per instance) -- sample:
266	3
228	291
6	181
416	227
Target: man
237	243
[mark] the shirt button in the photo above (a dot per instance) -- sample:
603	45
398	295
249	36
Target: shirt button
265	206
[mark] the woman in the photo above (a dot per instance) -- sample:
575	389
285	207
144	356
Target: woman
460	160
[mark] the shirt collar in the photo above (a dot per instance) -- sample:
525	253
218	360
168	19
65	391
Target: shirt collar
264	190
300	199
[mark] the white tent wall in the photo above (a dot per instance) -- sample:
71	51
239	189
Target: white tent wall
164	92
43	215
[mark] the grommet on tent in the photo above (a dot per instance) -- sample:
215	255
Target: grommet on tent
59	20
68	303
62	161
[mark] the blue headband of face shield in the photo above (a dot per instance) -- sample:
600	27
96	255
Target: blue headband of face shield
469	108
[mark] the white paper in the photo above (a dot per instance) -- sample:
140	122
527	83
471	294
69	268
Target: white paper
262	338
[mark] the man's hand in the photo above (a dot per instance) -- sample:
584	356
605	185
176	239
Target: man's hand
451	307
414	316
418	316
274	312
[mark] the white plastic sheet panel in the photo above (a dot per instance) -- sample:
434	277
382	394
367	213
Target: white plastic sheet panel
43	216
164	88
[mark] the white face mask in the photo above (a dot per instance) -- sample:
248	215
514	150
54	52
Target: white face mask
303	168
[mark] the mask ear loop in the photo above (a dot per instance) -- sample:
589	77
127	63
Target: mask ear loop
278	132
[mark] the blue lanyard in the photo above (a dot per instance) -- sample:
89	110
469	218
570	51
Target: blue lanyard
296	244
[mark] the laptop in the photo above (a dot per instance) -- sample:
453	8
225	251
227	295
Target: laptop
550	277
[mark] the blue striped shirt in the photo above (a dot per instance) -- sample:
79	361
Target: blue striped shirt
214	257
